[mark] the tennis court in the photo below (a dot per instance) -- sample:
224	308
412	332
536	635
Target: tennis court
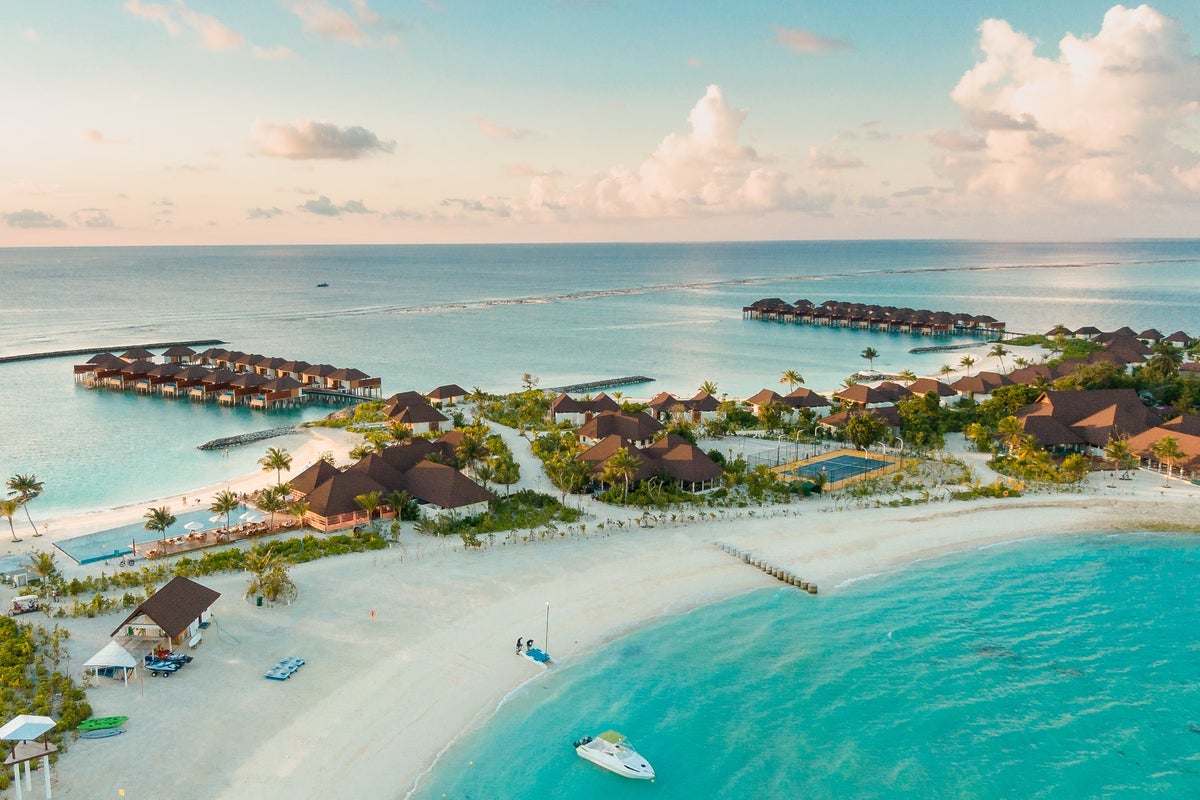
838	467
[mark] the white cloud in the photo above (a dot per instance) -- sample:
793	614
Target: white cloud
92	218
29	35
326	21
820	160
325	207
263	213
177	17
806	42
312	140
28	218
493	131
703	172
1099	124
271	54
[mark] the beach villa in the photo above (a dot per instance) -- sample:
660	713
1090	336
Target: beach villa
672	456
414	411
171	616
1085	420
640	429
575	412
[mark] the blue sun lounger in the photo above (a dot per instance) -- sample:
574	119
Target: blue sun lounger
284	668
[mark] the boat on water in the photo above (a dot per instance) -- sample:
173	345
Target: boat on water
613	752
322	285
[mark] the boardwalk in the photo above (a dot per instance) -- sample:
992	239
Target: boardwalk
200	540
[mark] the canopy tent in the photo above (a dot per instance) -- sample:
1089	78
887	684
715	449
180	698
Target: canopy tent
25	728
112	657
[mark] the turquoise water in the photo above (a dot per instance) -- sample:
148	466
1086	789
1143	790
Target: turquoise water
1063	667
422	316
117	542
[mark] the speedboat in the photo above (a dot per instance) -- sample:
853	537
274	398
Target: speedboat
613	751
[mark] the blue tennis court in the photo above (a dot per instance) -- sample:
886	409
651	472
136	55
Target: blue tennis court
840	467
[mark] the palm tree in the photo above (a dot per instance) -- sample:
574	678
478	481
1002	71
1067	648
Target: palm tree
298	508
477	397
907	375
945	370
978	435
1164	364
1021	361
471	449
999	351
791	377
8	508
159	519
710	387
621	466
1117	451
273	500
1011	432
400	432
276	459
369	502
507	472
225	502
870	354
42	565
26	487
400	501
1167	449
968	362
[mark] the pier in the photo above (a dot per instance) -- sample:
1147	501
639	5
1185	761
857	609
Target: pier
607	383
775	571
82	351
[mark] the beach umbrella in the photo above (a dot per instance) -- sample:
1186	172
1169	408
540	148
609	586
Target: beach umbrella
194	526
25	728
216	518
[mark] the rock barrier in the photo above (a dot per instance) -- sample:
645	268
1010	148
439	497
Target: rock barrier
247	438
607	383
775	571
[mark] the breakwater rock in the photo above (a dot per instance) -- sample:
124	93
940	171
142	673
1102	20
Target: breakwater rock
83	351
607	383
248	438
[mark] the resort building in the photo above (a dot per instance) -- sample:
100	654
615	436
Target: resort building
888	414
565	408
793	402
229	377
859	316
671	456
1083	420
170	617
701	408
438	489
1185	430
449	395
640	429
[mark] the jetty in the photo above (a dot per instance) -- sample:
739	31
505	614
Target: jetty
775	571
248	438
607	383
885	319
82	351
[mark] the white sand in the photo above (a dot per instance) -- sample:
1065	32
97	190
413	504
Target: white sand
382	694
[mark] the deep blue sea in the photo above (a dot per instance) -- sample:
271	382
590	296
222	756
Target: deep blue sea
1061	667
482	315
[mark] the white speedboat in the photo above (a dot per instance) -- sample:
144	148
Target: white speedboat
613	751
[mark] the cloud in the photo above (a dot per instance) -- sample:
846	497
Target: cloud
1103	123
705	171
28	218
324	19
29	35
325	207
94	136
92	218
263	213
694	62
528	171
806	42
494	131
176	18
271	54
831	161
915	191
311	140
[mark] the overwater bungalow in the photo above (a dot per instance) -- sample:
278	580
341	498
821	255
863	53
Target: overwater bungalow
283	391
179	354
241	388
860	316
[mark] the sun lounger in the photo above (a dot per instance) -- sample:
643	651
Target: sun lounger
284	668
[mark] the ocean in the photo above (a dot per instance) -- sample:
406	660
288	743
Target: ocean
483	315
1059	667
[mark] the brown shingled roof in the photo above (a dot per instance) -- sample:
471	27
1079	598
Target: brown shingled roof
175	606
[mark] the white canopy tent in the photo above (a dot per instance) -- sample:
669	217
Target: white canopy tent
24	729
113	656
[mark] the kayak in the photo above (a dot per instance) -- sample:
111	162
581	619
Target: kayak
101	723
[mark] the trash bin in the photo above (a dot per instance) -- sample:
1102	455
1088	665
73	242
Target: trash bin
258	602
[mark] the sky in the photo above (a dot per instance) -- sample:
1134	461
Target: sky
134	122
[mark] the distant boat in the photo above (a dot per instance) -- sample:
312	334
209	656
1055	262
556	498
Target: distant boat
613	751
322	285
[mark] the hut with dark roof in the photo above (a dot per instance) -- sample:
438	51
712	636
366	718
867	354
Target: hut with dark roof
172	615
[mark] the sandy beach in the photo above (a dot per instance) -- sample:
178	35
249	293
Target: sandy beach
409	647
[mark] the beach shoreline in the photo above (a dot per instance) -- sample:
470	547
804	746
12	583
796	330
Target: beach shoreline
411	648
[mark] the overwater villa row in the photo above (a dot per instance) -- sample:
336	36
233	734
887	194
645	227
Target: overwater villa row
228	377
889	319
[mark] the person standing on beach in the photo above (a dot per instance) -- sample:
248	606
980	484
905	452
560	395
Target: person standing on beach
520	641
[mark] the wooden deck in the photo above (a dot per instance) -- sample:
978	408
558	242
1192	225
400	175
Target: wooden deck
200	540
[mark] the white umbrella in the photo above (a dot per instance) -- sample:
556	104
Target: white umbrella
194	526
216	518
252	518
25	728
245	516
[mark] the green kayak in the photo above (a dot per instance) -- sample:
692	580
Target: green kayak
101	723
